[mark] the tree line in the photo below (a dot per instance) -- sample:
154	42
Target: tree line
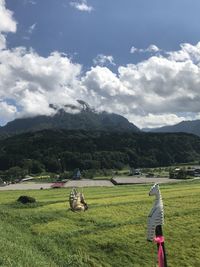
57	151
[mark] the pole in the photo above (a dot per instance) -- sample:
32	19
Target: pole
159	233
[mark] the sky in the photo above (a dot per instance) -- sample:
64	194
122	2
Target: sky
137	58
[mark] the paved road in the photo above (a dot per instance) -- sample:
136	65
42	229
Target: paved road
25	186
79	183
143	180
87	183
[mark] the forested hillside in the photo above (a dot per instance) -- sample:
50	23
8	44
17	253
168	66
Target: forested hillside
60	150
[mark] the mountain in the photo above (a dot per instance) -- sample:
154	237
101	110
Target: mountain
83	120
192	127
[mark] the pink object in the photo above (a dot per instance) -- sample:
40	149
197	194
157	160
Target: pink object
159	240
58	185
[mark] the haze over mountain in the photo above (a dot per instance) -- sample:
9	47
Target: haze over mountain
184	126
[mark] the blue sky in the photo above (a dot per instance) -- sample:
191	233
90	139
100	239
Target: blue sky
112	27
137	58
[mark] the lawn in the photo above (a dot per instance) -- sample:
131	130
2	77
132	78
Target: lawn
111	233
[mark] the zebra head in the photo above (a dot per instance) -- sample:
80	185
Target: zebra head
154	191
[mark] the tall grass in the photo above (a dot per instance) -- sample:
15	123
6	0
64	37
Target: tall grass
111	233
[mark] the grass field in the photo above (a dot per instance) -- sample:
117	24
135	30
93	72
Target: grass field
111	233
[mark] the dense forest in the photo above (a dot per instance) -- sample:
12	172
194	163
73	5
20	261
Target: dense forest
61	150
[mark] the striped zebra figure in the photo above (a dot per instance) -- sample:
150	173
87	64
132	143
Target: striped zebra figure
77	201
156	216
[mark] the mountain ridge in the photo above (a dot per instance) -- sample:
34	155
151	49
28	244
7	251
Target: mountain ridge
83	120
192	127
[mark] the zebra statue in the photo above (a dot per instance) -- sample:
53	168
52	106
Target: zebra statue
77	201
156	216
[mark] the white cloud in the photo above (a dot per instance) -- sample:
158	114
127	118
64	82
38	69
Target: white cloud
187	52
103	60
154	92
7	112
133	50
2	42
150	49
156	120
34	81
81	5
30	2
7	23
32	28
29	32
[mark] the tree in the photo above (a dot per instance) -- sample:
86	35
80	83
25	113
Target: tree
37	167
15	173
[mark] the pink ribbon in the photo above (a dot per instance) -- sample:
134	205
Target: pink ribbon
159	240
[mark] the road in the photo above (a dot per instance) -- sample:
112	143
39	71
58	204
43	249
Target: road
25	186
143	180
88	183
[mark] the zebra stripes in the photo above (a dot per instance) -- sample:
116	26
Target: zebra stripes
156	216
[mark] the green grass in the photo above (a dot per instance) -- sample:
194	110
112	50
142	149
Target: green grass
111	233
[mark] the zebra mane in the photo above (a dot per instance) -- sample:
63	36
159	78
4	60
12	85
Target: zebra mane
156	215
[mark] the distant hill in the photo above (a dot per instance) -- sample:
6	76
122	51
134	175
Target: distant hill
84	120
192	127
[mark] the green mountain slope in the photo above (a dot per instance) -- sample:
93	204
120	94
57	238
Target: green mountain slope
84	120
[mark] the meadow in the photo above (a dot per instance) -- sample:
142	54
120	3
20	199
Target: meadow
111	233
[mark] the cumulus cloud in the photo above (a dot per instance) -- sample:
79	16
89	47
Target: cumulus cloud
34	81
81	5
187	52
154	92
103	60
157	120
161	90
7	23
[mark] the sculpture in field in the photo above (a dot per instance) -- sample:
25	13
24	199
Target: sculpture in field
77	201
156	216
155	222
